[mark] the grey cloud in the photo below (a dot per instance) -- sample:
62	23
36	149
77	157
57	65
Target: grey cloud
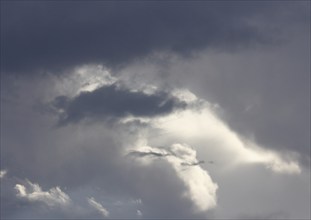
45	36
196	163
89	156
272	215
29	200
113	102
97	206
247	198
52	36
37	204
2	173
166	200
163	153
154	152
264	94
149	153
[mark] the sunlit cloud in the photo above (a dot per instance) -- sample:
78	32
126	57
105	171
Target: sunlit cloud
155	110
32	192
201	189
96	205
202	126
84	78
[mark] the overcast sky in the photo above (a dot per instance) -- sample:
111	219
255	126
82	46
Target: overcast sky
155	109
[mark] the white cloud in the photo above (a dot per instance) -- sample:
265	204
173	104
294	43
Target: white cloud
270	159
84	78
202	128
211	139
185	95
201	189
93	77
92	202
33	193
3	173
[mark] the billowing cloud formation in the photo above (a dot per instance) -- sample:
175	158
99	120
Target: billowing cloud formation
114	102
96	205
33	193
100	145
247	61
201	190
204	128
197	123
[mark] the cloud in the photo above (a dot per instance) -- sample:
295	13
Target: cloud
201	190
93	203
3	173
152	153
65	35
262	82
137	201
139	213
114	102
32	192
247	64
201	126
195	163
167	187
204	128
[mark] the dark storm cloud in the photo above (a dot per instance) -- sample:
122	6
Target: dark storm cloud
113	102
54	35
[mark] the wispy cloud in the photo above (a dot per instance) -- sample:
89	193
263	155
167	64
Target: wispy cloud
32	192
139	213
96	205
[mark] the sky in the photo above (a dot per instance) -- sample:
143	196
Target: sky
155	109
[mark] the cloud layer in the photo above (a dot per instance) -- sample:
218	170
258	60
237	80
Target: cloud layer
155	110
65	34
